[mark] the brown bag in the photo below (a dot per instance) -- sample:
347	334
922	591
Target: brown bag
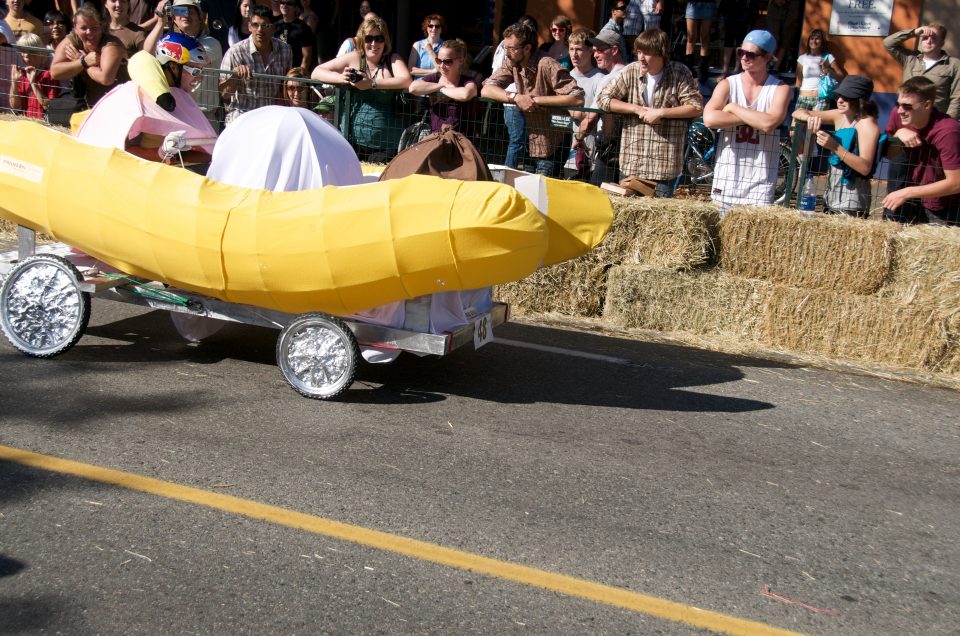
445	154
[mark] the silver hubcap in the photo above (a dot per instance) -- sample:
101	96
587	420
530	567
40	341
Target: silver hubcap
317	357
43	306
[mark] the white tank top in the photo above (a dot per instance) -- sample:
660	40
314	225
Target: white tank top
746	168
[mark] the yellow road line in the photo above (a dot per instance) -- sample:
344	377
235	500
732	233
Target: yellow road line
552	581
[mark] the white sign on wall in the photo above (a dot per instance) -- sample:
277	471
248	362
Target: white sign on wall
869	18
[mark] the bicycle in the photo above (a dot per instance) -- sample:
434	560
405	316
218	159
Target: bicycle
701	155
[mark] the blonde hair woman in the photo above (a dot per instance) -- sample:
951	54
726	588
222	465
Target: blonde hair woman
374	126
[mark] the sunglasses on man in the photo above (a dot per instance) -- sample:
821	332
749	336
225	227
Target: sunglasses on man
748	55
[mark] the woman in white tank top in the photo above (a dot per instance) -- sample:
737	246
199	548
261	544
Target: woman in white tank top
815	60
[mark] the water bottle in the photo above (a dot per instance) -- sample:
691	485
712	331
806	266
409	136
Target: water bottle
808	198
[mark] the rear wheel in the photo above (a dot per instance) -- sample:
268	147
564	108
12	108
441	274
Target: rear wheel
42	310
318	355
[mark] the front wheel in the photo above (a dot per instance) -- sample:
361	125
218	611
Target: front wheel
317	355
42	310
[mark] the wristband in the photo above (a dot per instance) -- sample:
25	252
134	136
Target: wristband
83	62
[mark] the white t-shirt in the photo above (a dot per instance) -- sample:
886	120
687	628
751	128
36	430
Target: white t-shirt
810	66
650	87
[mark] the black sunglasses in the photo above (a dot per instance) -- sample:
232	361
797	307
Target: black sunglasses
905	106
370	39
748	55
53	22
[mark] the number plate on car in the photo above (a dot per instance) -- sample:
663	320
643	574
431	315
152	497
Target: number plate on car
482	331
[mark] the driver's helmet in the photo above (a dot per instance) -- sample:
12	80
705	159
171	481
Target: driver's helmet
180	48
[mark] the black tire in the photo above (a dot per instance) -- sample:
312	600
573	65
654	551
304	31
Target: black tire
701	154
42	310
318	355
783	165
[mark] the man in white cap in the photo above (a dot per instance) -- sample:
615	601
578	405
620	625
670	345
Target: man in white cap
188	19
748	108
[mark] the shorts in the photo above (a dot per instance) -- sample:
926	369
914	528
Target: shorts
701	11
812	102
651	21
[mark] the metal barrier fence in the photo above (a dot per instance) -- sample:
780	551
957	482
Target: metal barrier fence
379	123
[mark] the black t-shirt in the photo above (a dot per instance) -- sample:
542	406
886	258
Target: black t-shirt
298	35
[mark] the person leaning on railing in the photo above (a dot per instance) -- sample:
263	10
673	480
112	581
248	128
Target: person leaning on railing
260	54
88	54
541	83
452	92
657	98
854	145
374	72
931	144
31	87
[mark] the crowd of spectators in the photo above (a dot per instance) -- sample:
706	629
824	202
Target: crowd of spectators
606	104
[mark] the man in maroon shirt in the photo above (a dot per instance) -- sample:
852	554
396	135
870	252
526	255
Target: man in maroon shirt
931	140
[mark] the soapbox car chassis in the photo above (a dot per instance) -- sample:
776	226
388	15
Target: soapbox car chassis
45	306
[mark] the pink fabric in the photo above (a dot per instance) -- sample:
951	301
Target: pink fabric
126	111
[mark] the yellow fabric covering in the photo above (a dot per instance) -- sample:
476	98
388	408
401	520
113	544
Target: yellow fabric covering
338	250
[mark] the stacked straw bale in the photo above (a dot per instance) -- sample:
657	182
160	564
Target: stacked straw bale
702	302
866	328
827	252
926	268
665	233
821	322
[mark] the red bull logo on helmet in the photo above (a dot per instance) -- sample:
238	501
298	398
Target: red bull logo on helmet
175	52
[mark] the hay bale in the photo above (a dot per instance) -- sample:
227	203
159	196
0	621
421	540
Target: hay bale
667	233
827	252
926	268
661	232
858	327
708	303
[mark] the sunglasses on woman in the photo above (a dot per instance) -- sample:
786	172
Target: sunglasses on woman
54	22
748	55
446	61
370	39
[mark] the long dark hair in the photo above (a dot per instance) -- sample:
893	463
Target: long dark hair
863	107
824	48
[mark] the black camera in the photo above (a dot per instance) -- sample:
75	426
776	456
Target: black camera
354	75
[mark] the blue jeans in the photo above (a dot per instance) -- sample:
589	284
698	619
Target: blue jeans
517	131
665	188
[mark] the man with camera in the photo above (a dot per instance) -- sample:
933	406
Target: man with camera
260	54
188	18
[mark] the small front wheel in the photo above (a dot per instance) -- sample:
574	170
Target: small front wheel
318	354
42	310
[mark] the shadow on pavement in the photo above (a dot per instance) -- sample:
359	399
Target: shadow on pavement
648	375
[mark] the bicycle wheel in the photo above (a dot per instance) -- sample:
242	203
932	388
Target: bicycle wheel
700	155
783	166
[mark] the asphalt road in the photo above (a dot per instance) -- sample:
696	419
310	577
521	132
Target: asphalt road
694	477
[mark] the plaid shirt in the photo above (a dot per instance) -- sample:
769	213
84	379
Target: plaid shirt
542	76
653	151
256	91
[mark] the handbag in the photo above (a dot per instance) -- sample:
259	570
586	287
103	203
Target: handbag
415	133
826	86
